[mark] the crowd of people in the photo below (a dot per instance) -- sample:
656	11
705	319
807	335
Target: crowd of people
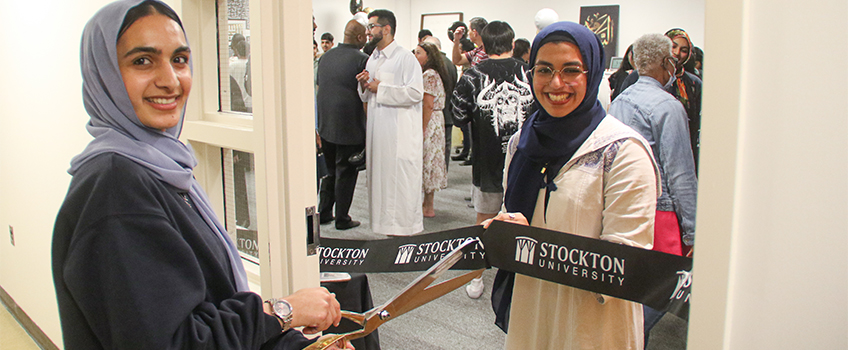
543	152
530	117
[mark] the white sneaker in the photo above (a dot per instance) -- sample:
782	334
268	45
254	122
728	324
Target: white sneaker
475	288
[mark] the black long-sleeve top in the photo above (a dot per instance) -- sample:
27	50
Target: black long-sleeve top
495	97
135	266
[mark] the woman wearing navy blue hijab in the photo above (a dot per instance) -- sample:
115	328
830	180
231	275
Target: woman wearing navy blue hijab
140	260
572	168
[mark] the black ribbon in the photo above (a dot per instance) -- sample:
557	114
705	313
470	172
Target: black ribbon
659	280
401	254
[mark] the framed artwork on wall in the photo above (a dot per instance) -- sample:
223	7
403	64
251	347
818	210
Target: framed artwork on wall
603	21
438	23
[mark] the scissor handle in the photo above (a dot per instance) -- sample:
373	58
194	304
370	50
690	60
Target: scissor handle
325	341
357	317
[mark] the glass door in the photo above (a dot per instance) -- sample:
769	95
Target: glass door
251	126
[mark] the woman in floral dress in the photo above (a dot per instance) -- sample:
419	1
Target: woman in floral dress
435	173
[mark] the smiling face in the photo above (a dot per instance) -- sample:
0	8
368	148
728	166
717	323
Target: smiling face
376	32
153	58
326	45
557	97
680	49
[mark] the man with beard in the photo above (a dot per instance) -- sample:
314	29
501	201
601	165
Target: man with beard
392	86
493	96
341	123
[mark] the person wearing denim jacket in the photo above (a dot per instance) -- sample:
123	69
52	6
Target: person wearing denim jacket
661	119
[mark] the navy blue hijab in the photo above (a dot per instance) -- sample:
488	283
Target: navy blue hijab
547	142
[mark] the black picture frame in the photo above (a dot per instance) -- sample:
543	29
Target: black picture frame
603	21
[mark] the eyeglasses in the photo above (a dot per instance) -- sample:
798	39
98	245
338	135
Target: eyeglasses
374	25
544	74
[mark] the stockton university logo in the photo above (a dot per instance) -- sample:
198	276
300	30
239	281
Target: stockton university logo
684	281
405	253
525	249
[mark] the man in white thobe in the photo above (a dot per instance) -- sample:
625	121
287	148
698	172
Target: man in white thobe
392	87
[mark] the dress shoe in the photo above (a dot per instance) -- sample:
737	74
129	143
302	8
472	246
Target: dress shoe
460	156
466	162
326	220
347	224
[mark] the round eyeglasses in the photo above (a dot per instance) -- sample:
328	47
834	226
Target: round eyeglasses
544	74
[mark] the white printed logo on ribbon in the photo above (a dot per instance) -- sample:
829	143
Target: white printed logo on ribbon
405	253
525	249
684	281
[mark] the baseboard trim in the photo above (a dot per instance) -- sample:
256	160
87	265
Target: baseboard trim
29	326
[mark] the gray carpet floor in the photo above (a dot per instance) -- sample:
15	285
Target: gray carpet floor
453	321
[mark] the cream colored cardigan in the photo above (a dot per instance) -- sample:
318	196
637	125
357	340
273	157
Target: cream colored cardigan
608	190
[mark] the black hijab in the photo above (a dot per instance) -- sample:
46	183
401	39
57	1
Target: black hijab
547	142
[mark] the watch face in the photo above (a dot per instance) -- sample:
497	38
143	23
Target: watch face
282	308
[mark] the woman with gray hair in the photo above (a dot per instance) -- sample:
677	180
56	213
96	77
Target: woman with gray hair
661	120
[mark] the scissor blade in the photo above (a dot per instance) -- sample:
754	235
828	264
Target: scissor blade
436	291
409	296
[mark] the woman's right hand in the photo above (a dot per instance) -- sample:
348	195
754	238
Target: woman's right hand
513	218
315	309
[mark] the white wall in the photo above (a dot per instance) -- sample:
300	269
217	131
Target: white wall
637	17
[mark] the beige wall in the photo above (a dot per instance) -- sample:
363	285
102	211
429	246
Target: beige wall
41	128
770	267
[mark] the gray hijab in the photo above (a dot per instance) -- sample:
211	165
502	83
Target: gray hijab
117	129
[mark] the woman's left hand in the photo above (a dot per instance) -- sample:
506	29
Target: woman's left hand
513	218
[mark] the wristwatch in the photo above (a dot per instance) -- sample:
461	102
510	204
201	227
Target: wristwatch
283	310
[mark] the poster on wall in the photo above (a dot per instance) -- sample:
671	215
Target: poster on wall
603	21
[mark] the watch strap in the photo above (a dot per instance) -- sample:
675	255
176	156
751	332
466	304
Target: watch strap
285	320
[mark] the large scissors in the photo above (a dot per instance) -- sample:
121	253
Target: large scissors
412	296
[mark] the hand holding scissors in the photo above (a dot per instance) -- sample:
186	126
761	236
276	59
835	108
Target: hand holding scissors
417	293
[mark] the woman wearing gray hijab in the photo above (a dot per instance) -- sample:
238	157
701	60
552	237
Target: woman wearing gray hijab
140	259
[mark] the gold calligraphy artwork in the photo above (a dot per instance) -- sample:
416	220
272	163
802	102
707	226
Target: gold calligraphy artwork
602	25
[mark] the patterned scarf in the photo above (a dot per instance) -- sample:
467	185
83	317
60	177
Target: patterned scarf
682	96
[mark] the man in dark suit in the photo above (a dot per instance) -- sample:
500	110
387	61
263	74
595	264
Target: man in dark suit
341	123
448	111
